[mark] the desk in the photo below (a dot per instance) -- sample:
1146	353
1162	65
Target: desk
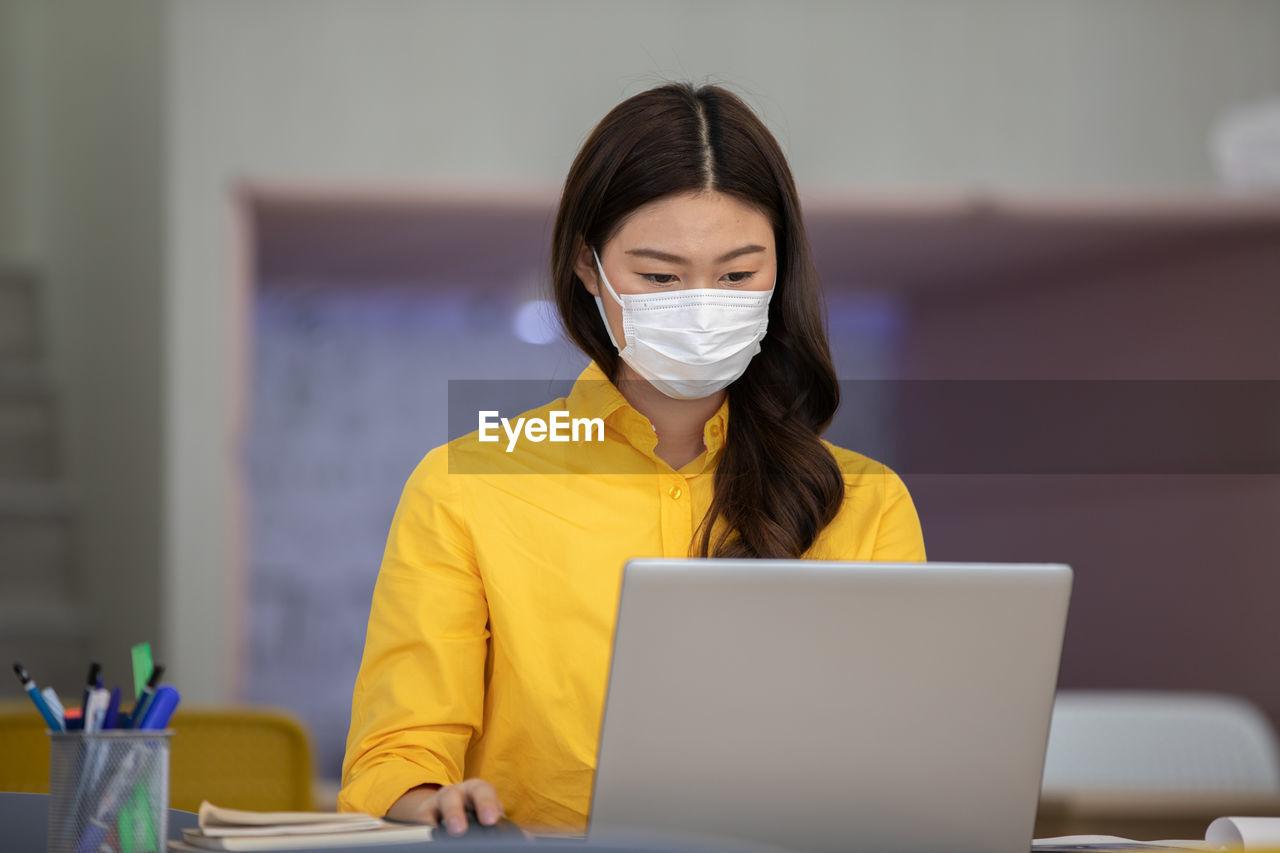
24	822
1157	815
24	819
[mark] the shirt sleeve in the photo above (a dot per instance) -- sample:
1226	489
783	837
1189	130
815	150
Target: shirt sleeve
419	695
899	538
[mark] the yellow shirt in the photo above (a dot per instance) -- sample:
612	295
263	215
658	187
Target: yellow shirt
491	626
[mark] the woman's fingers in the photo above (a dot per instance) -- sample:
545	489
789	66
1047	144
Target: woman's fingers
485	800
452	800
451	804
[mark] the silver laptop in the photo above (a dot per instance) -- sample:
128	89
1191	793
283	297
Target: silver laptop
886	707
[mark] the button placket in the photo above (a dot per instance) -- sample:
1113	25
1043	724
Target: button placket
677	518
713	437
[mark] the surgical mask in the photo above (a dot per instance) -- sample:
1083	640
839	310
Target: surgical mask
689	344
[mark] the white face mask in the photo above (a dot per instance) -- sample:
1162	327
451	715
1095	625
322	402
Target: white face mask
689	343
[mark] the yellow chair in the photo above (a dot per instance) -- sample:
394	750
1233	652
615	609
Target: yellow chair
24	748
238	757
241	757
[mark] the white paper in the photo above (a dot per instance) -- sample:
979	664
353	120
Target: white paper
287	829
1115	842
1248	833
216	816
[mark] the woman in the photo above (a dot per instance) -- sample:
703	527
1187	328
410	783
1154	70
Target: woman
681	267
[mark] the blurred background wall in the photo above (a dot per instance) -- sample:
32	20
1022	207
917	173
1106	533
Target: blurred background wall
129	128
82	139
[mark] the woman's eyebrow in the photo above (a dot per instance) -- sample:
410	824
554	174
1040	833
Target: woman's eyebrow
676	259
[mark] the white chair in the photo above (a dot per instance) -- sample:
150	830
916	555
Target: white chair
1152	742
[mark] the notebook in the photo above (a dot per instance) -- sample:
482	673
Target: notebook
238	829
886	707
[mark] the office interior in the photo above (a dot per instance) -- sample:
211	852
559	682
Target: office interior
244	247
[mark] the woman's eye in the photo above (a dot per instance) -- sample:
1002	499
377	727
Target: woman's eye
738	277
659	278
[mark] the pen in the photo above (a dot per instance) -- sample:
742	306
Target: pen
96	709
144	698
55	705
90	685
112	718
54	723
111	799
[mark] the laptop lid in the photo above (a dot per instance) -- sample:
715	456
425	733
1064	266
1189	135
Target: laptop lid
831	706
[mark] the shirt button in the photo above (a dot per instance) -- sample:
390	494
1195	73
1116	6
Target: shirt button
675	493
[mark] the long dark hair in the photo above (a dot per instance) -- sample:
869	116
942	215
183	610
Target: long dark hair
776	485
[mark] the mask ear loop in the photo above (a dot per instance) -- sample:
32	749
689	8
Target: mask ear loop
604	318
605	279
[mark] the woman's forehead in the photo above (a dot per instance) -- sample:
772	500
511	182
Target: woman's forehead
696	226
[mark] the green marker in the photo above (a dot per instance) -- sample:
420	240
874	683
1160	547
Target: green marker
135	827
141	667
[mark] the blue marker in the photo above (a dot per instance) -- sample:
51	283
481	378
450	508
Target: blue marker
159	709
28	685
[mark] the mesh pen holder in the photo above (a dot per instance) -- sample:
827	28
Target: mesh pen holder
108	790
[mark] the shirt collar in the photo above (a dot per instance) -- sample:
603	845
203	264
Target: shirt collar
595	395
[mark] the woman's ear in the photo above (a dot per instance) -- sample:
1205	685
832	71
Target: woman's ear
585	268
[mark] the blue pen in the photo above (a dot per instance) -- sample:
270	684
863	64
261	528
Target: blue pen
159	709
144	698
28	685
112	718
55	705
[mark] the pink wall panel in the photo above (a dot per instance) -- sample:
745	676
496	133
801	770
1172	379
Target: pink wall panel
1177	577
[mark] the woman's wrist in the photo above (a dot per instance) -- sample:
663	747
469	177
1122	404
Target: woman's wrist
415	804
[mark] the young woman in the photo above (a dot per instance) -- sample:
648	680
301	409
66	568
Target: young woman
681	268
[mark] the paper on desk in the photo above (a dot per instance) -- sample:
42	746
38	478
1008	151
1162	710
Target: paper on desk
1247	833
287	829
215	817
388	833
1103	843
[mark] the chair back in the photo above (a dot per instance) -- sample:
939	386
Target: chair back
24	746
238	757
1150	742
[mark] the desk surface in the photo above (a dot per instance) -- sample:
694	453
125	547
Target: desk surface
25	818
24	821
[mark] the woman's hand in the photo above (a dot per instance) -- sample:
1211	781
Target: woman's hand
447	806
